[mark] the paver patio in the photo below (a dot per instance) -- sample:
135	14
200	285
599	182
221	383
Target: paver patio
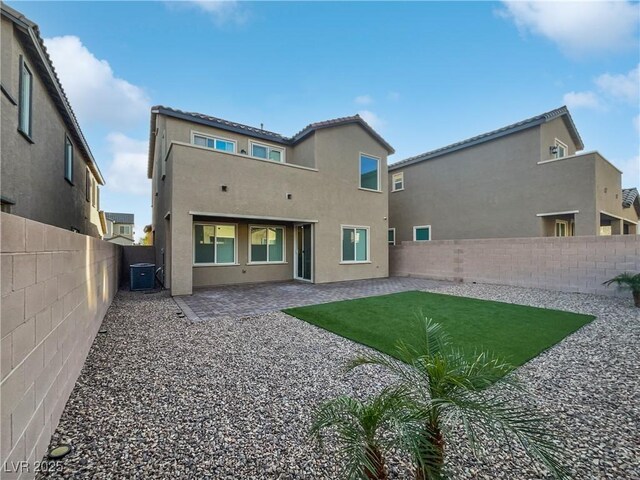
252	299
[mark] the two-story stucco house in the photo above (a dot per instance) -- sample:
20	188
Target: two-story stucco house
234	203
524	180
119	228
48	172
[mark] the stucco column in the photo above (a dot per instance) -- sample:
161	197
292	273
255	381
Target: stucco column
181	253
616	226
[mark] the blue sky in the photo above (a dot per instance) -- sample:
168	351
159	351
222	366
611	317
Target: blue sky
423	74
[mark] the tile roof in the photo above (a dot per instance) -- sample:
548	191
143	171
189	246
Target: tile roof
30	33
629	195
258	132
561	112
119	217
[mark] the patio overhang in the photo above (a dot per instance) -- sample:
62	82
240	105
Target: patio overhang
554	214
252	217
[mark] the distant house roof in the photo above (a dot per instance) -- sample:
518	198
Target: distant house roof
29	33
561	112
119	217
257	132
631	198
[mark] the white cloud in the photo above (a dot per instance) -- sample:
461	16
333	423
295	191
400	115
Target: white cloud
372	119
127	172
223	12
578	28
621	86
581	100
363	100
95	93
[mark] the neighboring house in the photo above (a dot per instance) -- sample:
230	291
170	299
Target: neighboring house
234	204
523	180
48	172
630	209
119	228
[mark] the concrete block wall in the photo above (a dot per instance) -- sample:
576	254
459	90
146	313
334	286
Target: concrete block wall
572	264
56	288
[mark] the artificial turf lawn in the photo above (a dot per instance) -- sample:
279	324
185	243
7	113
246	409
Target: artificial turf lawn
516	333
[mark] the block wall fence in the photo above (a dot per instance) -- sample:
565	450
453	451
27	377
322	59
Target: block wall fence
56	288
570	264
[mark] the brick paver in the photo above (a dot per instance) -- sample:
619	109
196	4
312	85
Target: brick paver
252	299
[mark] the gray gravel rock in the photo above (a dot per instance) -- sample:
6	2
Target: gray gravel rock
163	397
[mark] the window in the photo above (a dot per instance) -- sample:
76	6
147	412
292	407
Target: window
355	244
214	244
88	185
97	198
561	149
422	233
93	190
369	172
25	100
562	228
397	182
266	245
124	230
216	143
267	152
68	159
391	238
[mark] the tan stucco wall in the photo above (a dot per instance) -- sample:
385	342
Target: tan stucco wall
32	174
329	195
496	189
56	288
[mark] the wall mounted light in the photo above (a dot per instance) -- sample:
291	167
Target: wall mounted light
224	188
553	149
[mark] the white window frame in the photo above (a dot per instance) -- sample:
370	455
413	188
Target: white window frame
394	236
360	172
566	228
558	144
393	181
354	227
215	252
195	134
22	108
68	159
284	246
415	229
269	147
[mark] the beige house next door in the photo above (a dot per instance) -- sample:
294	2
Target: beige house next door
303	252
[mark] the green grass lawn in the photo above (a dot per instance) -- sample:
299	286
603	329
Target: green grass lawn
514	332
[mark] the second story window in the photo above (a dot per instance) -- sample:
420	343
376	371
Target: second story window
561	149
216	143
397	182
87	185
125	230
68	160
369	172
267	152
25	100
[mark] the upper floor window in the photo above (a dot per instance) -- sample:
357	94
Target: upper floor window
561	149
25	100
68	159
216	143
214	244
125	230
422	233
87	185
397	182
369	172
267	152
391	236
94	189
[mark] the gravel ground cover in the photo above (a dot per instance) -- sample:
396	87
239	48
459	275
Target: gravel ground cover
164	397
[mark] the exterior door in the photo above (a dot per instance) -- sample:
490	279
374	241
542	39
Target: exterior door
304	251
